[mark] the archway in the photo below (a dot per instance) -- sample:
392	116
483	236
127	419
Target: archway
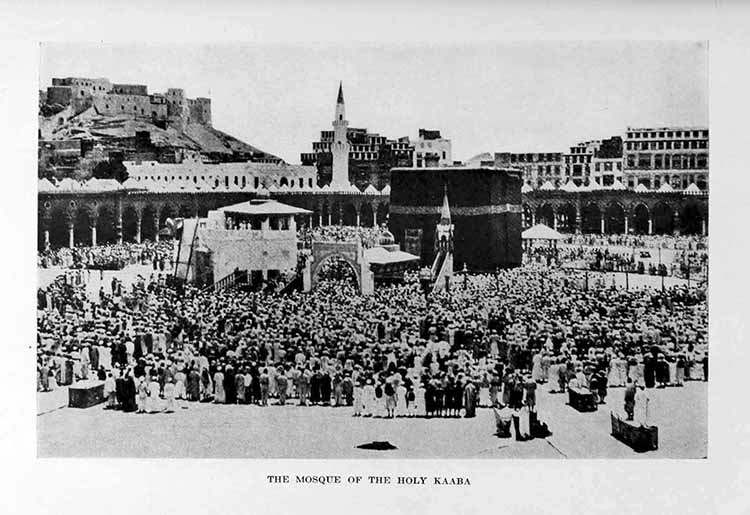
614	219
336	214
167	211
382	214
82	227
691	219
129	224
349	215
663	219
106	226
325	212
566	218
591	219
336	269
365	215
640	219
545	215
58	228
148	223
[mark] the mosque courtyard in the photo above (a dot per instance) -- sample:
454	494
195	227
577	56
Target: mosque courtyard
197	430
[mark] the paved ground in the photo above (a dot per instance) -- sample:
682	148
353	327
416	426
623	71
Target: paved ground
127	275
220	431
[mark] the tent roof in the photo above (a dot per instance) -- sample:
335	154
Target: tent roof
541	232
264	207
381	256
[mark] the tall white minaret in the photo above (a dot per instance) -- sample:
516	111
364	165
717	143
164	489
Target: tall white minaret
340	145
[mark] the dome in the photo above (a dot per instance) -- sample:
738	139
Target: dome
386	238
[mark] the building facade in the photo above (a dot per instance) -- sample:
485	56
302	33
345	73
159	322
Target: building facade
677	156
538	167
431	149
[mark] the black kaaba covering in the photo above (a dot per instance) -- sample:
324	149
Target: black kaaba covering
485	207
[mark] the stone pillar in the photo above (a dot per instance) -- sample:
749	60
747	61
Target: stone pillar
329	217
533	218
320	215
341	214
704	227
357	209
650	224
119	223
71	236
626	223
601	225
374	215
579	220
676	223
554	221
138	227
46	237
156	226
292	224
93	235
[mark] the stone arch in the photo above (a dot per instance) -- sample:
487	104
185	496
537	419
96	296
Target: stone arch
641	215
129	223
691	219
366	215
106	225
701	182
185	211
167	211
148	223
591	219
614	218
284	182
84	220
58	226
319	265
545	214
349	215
382	211
325	211
567	218
663	218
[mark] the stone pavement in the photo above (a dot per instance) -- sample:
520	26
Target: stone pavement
220	431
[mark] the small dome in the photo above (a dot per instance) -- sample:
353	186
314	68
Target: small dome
386	238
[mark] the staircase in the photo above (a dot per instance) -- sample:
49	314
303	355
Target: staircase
233	280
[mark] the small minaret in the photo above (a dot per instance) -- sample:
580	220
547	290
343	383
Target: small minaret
442	268
444	229
340	145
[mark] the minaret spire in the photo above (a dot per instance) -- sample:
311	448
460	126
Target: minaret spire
445	212
340	145
340	100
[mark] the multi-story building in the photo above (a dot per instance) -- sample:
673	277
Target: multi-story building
538	167
580	162
431	149
370	155
677	156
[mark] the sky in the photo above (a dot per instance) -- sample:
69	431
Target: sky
541	96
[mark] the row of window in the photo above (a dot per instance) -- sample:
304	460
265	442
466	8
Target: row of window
533	158
669	134
666	145
667	161
237	180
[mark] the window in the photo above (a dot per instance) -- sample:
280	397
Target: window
677	145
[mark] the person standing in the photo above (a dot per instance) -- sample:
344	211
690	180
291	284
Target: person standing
169	395
142	395
219	392
109	392
281	386
357	402
642	401
630	398
469	399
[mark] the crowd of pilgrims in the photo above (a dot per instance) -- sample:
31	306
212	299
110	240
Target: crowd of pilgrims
368	236
490	341
685	242
626	260
108	257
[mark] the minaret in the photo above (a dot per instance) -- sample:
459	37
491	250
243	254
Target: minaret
444	229
340	145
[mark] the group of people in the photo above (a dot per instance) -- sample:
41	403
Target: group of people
368	236
108	257
683	242
490	341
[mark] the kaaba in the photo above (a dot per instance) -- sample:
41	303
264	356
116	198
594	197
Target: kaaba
485	206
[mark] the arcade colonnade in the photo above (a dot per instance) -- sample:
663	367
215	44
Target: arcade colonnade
618	212
71	218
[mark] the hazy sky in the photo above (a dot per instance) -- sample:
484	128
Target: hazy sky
528	96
